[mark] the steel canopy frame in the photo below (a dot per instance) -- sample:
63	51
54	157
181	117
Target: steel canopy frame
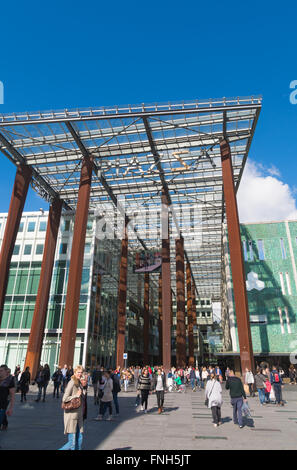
138	151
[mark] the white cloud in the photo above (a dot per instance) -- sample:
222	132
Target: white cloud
263	197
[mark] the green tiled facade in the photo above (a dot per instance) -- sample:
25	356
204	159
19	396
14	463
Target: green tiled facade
270	257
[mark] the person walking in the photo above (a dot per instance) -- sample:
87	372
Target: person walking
192	377
144	385
64	380
159	386
204	376
136	376
276	382
237	394
96	380
7	395
260	383
24	383
57	379
115	390
106	400
73	419
249	381
213	397
42	379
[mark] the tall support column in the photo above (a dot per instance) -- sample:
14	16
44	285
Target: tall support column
190	317
236	258
146	324
160	321
194	319
181	353
41	304
122	299
76	265
17	202
166	285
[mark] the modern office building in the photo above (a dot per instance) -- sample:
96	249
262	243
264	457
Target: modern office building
270	257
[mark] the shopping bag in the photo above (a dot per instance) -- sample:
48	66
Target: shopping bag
246	409
272	395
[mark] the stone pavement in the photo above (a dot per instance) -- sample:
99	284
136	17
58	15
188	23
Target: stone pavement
185	425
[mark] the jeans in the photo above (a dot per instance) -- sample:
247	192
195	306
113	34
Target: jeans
74	440
144	398
237	414
105	405
192	383
40	387
116	402
261	392
2	416
216	414
56	389
278	392
160	398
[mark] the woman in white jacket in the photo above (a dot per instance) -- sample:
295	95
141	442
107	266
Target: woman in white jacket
213	394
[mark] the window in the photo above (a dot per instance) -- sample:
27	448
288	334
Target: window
288	284
251	251
281	321
21	227
39	249
281	277
63	248
27	249
283	250
16	250
42	226
87	248
261	249
31	227
66	226
288	320
245	251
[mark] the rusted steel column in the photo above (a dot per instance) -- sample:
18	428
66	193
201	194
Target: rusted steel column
194	317
236	258
146	318
76	264
181	352
41	305
160	321
122	299
190	317
166	285
17	201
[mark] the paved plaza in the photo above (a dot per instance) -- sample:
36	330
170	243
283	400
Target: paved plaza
185	425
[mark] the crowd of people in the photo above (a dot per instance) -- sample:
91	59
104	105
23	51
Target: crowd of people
106	384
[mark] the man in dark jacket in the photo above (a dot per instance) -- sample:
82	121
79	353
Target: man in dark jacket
115	390
237	395
276	382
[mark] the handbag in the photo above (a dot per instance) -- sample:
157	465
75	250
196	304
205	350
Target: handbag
72	404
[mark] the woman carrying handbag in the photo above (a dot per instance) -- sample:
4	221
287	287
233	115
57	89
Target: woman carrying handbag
213	398
73	411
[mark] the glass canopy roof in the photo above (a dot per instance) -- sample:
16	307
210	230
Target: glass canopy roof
140	151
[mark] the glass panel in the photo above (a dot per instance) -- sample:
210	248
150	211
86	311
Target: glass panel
31	226
27	249
261	250
42	226
39	249
16	250
283	250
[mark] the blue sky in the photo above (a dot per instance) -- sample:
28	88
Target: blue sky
57	55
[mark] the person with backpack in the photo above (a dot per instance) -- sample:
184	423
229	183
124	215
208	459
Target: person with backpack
42	379
57	379
115	390
276	382
237	395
